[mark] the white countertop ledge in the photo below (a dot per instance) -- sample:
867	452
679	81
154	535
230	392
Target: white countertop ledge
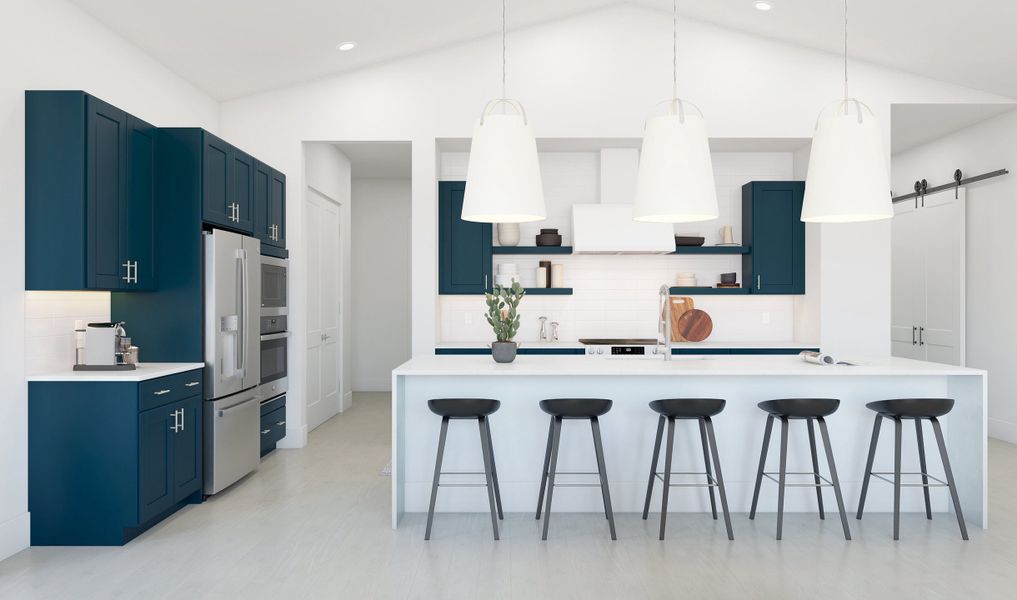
677	345
144	372
681	366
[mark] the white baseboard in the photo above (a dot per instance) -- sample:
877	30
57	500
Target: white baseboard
295	438
347	402
15	535
1003	430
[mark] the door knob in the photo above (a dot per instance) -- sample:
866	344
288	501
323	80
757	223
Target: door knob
325	336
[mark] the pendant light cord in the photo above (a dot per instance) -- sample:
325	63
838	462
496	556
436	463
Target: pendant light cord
503	68
846	49
674	47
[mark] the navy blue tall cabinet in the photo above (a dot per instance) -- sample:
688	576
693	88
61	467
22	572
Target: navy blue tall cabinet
772	226
464	247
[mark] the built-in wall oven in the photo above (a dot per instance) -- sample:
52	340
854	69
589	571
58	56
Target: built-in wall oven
274	328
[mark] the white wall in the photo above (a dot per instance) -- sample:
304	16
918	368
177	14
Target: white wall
573	85
381	281
991	271
49	44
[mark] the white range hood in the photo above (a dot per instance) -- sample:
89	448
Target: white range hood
608	228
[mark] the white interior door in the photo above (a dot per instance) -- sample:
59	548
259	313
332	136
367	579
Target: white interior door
323	232
942	224
907	286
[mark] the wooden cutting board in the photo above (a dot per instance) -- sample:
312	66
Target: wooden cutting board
695	325
679	305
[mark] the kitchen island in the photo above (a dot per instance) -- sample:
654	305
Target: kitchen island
519	429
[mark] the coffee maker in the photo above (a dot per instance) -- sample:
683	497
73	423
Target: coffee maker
105	347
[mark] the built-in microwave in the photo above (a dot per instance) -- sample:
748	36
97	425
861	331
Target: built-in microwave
273	286
274	356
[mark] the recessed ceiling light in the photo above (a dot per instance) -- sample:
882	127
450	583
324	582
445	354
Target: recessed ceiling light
760	5
346	46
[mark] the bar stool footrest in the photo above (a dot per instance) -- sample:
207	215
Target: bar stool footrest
711	480
824	481
887	476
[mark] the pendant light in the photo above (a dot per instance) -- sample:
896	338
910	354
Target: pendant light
503	176
675	182
847	181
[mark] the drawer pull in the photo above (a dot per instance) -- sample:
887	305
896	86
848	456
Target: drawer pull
281	423
161	392
192	384
266	431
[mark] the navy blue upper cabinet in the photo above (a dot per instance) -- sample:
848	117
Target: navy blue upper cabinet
241	189
772	227
269	205
217	207
88	194
464	247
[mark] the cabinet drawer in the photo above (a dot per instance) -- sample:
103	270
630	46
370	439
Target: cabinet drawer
273	405
273	429
157	392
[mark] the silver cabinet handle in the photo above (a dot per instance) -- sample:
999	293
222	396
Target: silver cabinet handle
182	412
176	421
161	392
266	431
192	384
914	332
759	282
135	271
281	423
127	265
921	336
485	282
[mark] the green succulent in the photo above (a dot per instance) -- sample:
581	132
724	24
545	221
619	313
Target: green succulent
502	313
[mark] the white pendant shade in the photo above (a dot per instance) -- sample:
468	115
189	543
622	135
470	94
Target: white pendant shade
847	180
675	182
503	176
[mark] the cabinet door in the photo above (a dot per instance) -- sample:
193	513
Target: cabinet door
241	189
262	202
105	173
907	282
155	457
277	207
464	247
777	238
140	247
215	187
187	449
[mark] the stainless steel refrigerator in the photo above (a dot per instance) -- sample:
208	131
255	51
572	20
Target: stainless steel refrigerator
232	357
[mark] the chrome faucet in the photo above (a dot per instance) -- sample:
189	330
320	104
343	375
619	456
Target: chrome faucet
554	331
664	320
543	329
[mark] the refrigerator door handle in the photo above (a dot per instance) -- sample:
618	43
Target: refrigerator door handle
241	329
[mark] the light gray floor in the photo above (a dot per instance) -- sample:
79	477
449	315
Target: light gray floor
314	523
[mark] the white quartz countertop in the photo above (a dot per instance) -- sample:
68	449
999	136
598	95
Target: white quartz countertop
144	372
676	345
524	365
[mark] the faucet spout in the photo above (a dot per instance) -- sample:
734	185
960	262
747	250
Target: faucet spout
664	320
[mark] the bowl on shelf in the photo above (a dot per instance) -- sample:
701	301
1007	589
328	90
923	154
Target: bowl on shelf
549	237
687	240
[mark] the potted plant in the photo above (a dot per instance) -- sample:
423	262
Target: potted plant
503	317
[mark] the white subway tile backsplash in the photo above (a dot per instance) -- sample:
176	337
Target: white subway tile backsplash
49	326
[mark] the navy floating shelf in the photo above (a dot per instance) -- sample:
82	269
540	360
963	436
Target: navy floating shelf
712	250
531	249
708	291
548	291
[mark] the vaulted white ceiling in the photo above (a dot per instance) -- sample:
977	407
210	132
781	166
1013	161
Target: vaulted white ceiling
231	48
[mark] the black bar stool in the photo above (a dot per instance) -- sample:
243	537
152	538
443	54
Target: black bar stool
467	408
811	410
700	409
573	408
918	409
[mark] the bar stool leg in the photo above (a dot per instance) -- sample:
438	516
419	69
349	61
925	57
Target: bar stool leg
494	471
868	465
667	476
556	431
833	476
949	477
783	476
547	463
896	477
921	463
653	466
602	468
706	459
437	475
762	465
815	468
489	477
720	477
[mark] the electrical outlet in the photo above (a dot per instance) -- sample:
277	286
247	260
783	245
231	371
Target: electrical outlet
766	317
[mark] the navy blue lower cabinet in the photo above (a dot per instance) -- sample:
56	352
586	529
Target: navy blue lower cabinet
105	463
273	423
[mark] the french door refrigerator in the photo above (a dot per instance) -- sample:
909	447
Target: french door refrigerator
232	357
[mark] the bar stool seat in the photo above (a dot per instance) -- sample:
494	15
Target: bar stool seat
912	408
688	408
800	408
573	408
463	408
467	408
576	408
